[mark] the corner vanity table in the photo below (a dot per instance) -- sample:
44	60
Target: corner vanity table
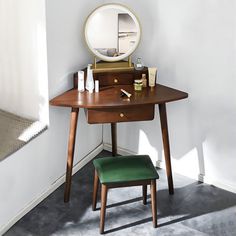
107	106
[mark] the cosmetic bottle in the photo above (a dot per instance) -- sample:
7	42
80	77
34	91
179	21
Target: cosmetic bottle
80	81
152	71
89	80
96	86
144	80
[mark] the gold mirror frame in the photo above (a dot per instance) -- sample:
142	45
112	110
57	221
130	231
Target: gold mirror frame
112	63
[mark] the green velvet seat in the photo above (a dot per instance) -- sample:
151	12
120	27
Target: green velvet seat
125	169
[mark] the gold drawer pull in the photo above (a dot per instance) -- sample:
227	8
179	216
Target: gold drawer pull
115	81
122	115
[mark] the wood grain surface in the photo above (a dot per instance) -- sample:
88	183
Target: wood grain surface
109	97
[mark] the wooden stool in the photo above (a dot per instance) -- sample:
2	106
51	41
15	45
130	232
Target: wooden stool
124	171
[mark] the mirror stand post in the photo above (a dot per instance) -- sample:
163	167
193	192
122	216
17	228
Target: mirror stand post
129	61
95	63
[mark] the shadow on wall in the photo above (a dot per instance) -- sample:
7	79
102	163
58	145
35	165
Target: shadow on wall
186	138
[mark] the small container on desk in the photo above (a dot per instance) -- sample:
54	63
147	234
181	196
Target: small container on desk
138	84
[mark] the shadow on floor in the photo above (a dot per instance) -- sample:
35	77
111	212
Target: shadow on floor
125	209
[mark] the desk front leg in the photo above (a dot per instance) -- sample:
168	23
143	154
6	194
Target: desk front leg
114	139
166	145
71	149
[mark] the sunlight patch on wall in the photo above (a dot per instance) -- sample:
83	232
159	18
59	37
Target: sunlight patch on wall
42	73
146	148
188	165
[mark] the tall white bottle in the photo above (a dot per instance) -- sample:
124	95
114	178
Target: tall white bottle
80	81
89	80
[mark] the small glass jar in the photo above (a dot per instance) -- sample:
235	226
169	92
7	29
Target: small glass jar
138	84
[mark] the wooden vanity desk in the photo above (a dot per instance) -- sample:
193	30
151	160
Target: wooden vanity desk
108	106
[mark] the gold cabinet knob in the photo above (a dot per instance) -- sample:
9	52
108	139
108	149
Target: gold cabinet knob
115	80
122	115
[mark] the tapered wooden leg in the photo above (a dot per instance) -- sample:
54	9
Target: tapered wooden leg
166	145
103	208
154	203
145	194
114	139
95	190
71	148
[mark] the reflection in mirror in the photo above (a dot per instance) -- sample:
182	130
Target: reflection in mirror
127	33
112	32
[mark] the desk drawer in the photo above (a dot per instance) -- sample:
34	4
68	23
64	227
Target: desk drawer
113	115
115	78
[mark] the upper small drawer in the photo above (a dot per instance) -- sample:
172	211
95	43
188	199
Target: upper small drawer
115	78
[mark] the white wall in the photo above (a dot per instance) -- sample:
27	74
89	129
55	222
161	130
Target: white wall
29	173
193	44
23	59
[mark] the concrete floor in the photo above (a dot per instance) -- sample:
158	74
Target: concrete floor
194	209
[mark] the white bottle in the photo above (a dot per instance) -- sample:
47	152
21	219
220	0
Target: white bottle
80	81
96	86
89	80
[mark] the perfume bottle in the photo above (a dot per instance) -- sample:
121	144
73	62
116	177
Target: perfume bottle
89	80
139	64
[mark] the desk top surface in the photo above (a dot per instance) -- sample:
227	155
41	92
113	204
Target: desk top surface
109	97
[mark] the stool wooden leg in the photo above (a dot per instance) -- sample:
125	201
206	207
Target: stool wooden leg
145	194
154	204
103	208
95	190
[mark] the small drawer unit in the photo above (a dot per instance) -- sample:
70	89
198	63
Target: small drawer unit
114	78
106	79
115	115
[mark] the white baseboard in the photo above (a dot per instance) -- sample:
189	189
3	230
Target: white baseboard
161	164
219	184
120	151
51	189
204	179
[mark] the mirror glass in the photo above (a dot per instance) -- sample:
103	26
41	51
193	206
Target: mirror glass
112	32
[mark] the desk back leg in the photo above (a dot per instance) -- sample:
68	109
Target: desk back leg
71	149
166	145
114	138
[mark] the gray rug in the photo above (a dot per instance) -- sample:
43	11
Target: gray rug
16	131
196	209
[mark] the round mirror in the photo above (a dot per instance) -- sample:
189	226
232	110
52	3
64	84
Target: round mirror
112	32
